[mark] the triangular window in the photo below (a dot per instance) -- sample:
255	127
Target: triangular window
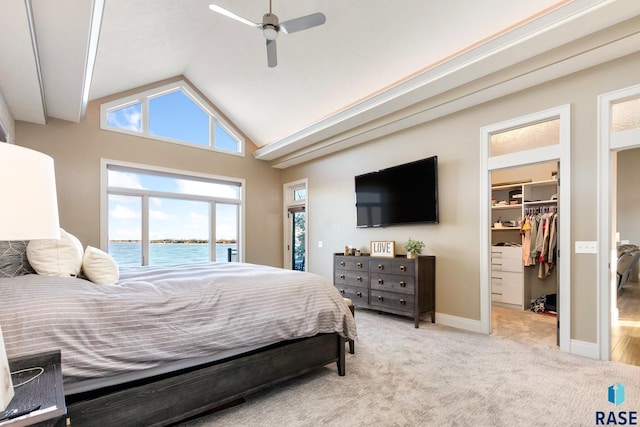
172	113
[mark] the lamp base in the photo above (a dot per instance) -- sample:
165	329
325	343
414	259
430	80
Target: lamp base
6	385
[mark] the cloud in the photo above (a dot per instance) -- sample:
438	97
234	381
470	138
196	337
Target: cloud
124	213
124	179
160	215
129	118
207	189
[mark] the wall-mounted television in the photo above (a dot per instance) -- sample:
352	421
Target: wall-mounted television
403	194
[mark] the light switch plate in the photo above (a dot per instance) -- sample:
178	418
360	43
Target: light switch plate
586	247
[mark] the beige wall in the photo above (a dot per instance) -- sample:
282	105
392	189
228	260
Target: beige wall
77	149
455	140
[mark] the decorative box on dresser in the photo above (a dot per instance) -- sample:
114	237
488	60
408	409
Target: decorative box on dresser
397	285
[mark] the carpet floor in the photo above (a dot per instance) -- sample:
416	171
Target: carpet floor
440	376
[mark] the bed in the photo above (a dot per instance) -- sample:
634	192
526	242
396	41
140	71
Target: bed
167	343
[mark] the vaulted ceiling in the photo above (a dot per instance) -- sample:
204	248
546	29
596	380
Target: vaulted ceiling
374	67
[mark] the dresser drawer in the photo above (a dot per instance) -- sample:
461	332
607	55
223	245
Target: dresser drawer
352	263
506	278
402	266
506	264
393	283
390	300
358	296
350	277
506	287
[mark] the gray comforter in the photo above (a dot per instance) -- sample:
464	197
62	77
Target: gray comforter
156	315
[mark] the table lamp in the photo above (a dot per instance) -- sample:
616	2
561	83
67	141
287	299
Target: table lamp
29	211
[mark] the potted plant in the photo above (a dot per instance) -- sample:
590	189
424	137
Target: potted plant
414	248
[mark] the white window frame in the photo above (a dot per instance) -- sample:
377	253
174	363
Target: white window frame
104	204
215	117
288	189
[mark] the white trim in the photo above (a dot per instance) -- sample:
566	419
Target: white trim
460	322
287	190
585	349
104	205
215	117
97	12
606	294
561	152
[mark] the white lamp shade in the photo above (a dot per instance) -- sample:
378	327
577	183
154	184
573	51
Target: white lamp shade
6	385
27	195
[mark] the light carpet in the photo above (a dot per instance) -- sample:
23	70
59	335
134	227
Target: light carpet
440	376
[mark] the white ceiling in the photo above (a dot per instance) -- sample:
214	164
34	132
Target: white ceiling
370	59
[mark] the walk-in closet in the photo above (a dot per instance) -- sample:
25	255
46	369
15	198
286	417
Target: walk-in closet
524	240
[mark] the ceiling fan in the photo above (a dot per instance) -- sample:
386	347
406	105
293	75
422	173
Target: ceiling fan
271	26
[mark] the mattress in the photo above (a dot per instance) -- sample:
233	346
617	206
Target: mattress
160	316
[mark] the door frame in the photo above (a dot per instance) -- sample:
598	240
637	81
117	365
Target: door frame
560	152
609	143
288	189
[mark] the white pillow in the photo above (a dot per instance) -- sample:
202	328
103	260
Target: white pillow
100	267
56	257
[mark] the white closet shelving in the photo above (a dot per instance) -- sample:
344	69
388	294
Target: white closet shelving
510	204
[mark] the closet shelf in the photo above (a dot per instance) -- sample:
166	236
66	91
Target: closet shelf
500	207
541	202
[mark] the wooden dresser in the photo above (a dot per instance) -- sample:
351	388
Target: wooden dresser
393	285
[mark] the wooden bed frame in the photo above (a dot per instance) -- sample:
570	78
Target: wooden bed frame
169	398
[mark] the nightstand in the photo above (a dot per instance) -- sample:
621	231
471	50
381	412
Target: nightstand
46	390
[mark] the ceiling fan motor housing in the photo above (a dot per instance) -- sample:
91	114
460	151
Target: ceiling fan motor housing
270	26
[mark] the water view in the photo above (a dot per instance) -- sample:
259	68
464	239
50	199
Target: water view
128	254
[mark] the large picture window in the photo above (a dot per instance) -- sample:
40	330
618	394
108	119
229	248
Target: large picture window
161	217
172	113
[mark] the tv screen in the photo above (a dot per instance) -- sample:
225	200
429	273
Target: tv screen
402	194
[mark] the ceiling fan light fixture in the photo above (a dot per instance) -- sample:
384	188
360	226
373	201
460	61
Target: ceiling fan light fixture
270	32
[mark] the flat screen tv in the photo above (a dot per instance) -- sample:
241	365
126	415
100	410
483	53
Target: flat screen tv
403	194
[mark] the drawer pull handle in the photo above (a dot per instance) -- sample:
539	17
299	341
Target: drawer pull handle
342	276
342	291
359	265
403	284
342	264
403	302
359	294
380	298
380	282
359	279
403	268
380	267
496	293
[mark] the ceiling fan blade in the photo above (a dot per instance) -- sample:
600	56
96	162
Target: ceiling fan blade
272	54
231	15
302	23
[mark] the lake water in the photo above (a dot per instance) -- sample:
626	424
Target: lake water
128	254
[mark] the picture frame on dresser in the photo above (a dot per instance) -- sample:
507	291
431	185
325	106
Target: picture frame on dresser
383	248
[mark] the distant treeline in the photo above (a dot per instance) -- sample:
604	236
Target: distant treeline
222	241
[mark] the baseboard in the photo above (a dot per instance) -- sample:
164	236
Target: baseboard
460	323
586	349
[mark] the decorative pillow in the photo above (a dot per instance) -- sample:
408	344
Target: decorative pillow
13	259
100	267
51	257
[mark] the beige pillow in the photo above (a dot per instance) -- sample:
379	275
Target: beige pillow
56	257
100	267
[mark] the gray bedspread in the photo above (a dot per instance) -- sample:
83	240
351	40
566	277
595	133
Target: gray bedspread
156	315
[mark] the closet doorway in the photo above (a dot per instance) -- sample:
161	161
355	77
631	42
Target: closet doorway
535	139
618	142
524	268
